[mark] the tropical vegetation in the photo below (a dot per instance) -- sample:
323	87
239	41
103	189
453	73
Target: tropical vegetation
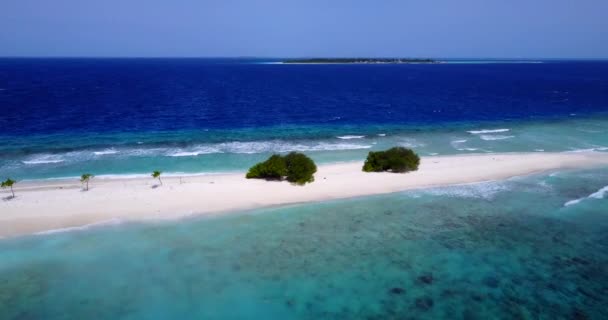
156	175
294	167
8	183
397	159
84	179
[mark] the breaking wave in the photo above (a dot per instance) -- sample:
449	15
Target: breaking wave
113	221
235	147
488	131
105	152
44	159
410	143
488	137
600	194
282	146
590	149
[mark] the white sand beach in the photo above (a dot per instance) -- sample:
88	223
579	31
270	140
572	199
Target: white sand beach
58	204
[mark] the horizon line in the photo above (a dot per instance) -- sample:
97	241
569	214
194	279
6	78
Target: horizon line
299	57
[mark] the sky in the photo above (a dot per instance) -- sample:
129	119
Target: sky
305	28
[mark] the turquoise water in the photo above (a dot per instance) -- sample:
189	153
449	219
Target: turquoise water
509	249
524	248
177	152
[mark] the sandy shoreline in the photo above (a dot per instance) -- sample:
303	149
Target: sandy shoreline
57	204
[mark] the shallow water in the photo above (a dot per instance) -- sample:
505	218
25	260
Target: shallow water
508	249
529	248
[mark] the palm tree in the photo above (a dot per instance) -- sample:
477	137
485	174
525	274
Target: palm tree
85	179
9	183
156	175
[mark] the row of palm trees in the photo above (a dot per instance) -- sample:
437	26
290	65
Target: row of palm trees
84	179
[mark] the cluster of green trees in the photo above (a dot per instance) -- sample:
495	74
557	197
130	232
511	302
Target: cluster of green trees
298	168
294	167
397	159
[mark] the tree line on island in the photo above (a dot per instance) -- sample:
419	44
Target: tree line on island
297	167
360	61
397	159
294	167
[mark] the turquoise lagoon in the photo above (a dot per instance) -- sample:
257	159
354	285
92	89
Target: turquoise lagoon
508	249
525	248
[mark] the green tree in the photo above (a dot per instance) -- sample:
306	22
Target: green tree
156	175
300	168
8	183
85	178
295	167
397	159
274	168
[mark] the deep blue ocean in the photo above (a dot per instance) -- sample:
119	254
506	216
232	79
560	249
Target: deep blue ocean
83	96
62	117
530	247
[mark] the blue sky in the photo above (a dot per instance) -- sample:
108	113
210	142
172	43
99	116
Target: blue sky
273	28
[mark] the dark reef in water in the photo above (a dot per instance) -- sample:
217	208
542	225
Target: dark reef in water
433	257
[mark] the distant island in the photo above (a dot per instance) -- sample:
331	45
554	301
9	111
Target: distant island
361	60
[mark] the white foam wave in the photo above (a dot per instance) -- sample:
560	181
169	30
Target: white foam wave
235	147
458	145
104	152
381	134
254	147
488	137
589	149
113	221
44	159
347	137
185	154
572	202
600	194
193	152
482	131
411	143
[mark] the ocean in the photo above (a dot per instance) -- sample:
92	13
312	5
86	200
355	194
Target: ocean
526	247
63	117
